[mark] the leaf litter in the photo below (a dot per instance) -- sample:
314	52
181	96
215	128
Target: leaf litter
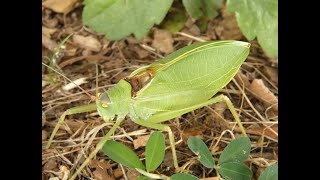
252	96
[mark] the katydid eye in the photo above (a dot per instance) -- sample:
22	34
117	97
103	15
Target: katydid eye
104	99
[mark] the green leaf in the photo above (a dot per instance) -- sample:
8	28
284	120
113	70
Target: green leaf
202	8
235	170
198	147
258	18
182	176
122	154
174	21
120	18
270	173
143	178
155	151
237	150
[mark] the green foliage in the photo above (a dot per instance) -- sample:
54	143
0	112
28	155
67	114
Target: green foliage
202	8
235	170
119	18
155	149
258	18
270	173
143	178
122	154
237	150
182	176
174	21
198	147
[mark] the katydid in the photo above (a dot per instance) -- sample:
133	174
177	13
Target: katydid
182	82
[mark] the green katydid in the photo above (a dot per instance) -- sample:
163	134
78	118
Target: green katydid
179	83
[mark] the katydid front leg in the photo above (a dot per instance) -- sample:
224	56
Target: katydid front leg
74	110
154	121
98	147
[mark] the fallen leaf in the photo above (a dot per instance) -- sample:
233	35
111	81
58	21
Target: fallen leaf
117	173
242	79
60	6
265	131
48	43
271	73
50	165
48	31
168	161
99	164
261	92
163	41
141	141
88	42
228	28
132	174
141	52
101	174
191	132
44	135
64	173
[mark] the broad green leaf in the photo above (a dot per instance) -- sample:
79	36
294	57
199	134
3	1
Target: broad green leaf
182	176
202	8
237	150
258	18
122	154
235	170
270	173
120	18
174	21
155	151
198	147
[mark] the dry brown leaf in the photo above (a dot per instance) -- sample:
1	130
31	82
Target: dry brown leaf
228	28
141	52
99	164
117	173
168	161
132	174
141	141
163	41
50	165
265	131
44	135
272	73
64	173
242	79
48	31
88	42
261	92
101	174
191	132
48	43
60	6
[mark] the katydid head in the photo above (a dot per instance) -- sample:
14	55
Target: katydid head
115	101
105	107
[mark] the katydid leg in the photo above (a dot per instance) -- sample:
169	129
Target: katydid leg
154	121
75	110
166	128
166	115
98	147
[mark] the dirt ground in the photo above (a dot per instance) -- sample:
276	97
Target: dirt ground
253	92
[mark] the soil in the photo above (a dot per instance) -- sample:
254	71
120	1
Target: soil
253	92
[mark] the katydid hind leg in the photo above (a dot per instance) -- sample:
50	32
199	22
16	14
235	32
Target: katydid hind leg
167	129
71	111
167	115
